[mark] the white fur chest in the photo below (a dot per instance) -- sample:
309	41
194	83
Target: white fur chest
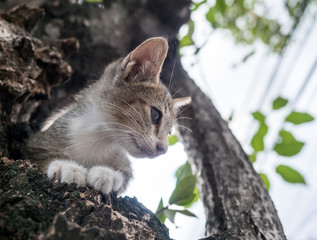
90	139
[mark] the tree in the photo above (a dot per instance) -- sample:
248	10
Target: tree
236	201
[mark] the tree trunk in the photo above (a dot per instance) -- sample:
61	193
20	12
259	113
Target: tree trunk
236	202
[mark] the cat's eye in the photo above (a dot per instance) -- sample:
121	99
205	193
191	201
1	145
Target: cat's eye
155	115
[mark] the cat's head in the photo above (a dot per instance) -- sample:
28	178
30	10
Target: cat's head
142	110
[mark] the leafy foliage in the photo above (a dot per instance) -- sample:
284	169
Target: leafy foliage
289	174
248	22
252	157
246	57
299	118
244	22
279	103
184	190
265	180
172	139
160	213
187	40
184	195
257	141
286	146
195	5
94	1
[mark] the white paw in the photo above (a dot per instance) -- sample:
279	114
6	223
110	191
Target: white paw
105	179
67	171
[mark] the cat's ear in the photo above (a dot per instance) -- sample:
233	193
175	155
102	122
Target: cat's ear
144	63
180	102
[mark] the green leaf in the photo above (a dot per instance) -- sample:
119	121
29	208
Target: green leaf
191	200
170	214
299	118
265	180
184	190
94	1
210	16
289	174
288	146
187	40
187	213
183	171
257	141
279	103
160	214
258	116
172	140
221	6
246	57
195	6
252	157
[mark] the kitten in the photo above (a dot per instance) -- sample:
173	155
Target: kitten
127	111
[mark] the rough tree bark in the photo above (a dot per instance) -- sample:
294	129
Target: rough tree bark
236	202
31	206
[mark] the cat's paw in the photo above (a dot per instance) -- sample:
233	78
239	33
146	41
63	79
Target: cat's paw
67	171
105	179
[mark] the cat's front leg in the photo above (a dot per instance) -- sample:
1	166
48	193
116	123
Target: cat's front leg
67	171
105	179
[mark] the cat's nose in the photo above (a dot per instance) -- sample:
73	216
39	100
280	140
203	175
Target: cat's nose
161	148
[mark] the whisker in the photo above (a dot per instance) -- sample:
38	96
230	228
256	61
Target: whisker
169	85
126	113
124	126
185	108
177	92
125	132
134	110
119	142
110	133
178	118
177	125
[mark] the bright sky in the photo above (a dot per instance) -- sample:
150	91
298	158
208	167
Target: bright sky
239	90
